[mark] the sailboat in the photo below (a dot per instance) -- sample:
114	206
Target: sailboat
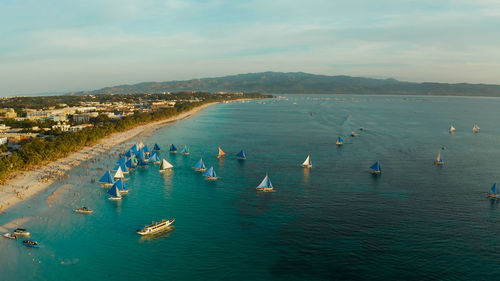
146	150
142	164
123	167
340	141
241	155
307	163
115	193
107	179
200	166
119	174
210	174
165	166
185	150
122	161
129	153
154	158
451	129
476	128
172	149
156	148
221	153
495	192
439	160
266	185
376	169
120	185
130	164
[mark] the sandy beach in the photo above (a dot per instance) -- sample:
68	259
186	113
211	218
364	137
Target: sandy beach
26	184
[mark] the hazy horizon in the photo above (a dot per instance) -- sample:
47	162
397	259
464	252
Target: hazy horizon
64	47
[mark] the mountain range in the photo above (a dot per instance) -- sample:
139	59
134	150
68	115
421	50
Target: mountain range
304	83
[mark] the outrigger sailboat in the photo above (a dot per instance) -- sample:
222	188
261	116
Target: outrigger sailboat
107	180
451	129
118	174
495	192
172	149
340	141
156	227
476	128
200	166
185	150
210	174
115	193
221	153
241	155
307	163
154	159
439	160
156	148
165	166
121	186
266	185
376	169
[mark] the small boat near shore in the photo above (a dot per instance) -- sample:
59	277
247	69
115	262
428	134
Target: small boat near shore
172	149
439	160
9	236
340	141
185	150
107	180
156	227
83	210
476	128
221	153
30	243
115	193
21	232
156	148
451	130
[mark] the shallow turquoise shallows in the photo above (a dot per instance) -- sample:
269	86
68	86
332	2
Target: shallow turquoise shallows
416	221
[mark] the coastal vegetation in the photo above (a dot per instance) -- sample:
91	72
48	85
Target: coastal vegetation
36	151
306	83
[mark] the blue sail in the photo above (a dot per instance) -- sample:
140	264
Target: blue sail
241	155
141	155
120	185
341	139
142	163
146	149
185	150
113	191
134	148
375	167
173	148
130	164
156	147
199	164
107	178
494	188
154	158
122	161
129	153
124	168
210	173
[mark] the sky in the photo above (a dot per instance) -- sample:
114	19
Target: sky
64	45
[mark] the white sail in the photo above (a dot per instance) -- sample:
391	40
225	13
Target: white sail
119	173
264	182
438	158
307	162
452	129
475	128
165	165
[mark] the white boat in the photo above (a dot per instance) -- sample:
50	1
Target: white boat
439	160
165	166
156	227
451	129
9	236
476	128
21	232
307	163
353	134
84	210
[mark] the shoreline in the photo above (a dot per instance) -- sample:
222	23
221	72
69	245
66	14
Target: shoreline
27	183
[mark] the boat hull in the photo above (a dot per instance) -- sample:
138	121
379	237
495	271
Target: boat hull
439	163
147	231
115	198
212	178
339	143
375	172
242	158
165	171
106	184
265	189
83	212
307	166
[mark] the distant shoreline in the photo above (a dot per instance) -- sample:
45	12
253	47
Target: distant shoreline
26	184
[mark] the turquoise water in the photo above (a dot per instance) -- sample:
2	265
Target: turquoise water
335	221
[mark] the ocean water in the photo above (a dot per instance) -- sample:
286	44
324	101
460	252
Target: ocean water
335	221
